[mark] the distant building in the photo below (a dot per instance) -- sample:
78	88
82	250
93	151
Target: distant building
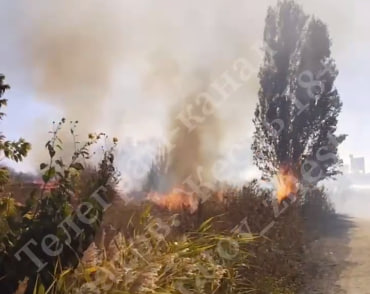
345	168
357	164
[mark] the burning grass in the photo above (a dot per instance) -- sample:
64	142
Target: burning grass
130	258
275	260
176	200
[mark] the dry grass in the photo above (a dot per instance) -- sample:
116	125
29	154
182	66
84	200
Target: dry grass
272	263
275	260
145	263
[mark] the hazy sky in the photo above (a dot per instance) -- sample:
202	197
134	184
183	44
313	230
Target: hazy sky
136	58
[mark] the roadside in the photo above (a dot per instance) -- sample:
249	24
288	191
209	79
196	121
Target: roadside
355	278
327	256
337	260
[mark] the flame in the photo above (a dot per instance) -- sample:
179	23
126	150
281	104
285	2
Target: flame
287	184
46	186
176	200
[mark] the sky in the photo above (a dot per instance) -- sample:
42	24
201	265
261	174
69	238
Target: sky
120	66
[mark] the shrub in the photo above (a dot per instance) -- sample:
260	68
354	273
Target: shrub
45	211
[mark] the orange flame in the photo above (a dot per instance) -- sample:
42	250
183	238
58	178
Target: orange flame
175	201
287	184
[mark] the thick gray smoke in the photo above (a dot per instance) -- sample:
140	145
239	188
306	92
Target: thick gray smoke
194	149
123	66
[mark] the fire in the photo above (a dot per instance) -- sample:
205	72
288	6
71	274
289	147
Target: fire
287	184
174	201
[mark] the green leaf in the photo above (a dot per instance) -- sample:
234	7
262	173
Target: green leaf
59	162
206	225
43	165
77	166
50	173
51	151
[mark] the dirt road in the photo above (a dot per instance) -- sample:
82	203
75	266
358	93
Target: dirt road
340	258
355	277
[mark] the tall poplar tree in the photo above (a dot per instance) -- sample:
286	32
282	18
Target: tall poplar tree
297	112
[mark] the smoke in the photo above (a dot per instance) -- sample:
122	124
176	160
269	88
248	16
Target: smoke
71	57
349	194
127	67
194	148
74	53
123	68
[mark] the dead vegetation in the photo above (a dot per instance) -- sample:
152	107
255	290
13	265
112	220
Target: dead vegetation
275	258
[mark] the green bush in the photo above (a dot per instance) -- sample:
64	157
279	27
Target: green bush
42	222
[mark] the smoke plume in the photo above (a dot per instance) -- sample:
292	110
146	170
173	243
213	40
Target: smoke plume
193	150
123	67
